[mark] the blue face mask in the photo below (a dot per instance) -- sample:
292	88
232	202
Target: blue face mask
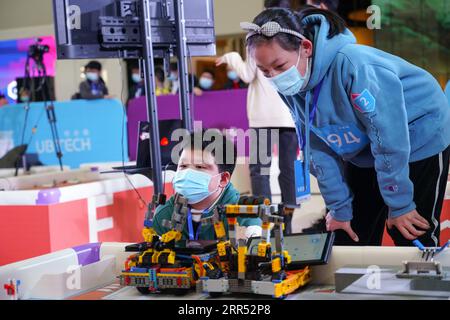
290	82
136	77
206	83
172	77
193	185
92	76
232	75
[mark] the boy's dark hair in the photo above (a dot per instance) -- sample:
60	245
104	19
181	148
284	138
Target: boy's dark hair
331	4
210	71
289	19
277	4
225	158
173	66
95	65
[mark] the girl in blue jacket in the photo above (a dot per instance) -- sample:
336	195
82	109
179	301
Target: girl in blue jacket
377	128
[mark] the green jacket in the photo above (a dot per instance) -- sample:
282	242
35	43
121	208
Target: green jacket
229	196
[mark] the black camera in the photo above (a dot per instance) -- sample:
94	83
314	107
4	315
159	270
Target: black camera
38	50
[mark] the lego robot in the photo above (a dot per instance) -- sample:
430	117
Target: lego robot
156	266
263	273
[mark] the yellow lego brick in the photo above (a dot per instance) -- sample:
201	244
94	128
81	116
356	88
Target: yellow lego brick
295	281
131	274
287	257
242	252
262	248
265	225
147	234
276	265
149	251
171	235
172	275
278	290
222	248
171	258
219	229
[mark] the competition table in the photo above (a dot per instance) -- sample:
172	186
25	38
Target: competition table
98	265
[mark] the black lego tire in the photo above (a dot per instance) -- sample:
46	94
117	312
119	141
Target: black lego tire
143	290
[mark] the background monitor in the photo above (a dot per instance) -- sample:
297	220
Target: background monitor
112	28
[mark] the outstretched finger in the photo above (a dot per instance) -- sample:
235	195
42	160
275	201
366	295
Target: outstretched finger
352	234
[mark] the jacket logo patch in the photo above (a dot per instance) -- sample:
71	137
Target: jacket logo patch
364	102
393	188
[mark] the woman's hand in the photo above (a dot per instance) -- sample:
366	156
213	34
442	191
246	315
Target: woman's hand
220	61
407	223
333	224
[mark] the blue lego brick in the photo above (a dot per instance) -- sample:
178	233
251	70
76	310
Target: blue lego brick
276	281
148	223
138	270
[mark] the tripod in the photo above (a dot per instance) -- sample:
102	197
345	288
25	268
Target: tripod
36	54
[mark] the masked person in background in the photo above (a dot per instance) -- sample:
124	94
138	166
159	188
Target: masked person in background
375	128
234	82
203	178
93	87
207	79
137	89
175	84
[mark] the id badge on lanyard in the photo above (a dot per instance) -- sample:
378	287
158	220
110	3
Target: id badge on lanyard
192	236
301	166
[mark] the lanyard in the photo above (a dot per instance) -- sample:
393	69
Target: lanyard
191	227
311	115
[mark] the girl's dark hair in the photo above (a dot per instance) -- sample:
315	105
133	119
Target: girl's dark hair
292	20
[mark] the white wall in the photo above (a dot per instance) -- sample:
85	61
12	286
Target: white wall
34	18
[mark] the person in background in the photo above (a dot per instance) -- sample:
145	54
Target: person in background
331	5
3	100
268	113
234	82
138	87
207	79
160	79
175	85
94	86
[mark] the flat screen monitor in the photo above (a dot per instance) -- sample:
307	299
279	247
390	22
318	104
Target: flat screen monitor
87	29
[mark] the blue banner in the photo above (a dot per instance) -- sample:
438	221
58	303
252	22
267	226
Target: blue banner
89	131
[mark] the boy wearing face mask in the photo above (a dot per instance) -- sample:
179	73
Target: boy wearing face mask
93	87
203	177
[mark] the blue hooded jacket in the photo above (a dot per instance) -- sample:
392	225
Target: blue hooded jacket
374	110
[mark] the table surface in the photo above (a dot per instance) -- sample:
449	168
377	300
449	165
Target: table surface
115	291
